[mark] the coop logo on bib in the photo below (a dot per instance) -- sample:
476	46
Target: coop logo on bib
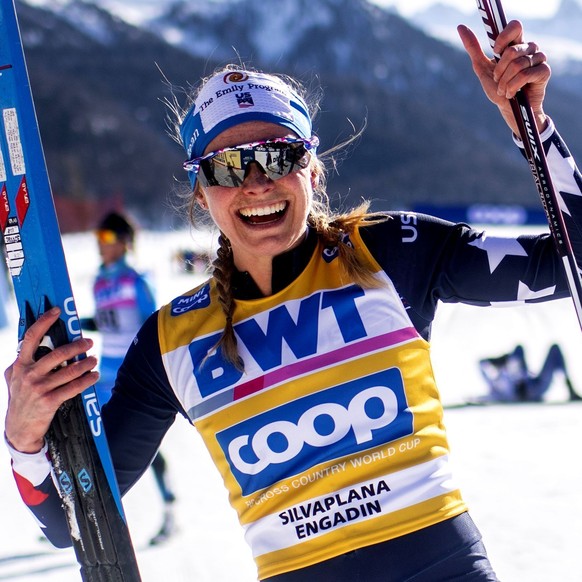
333	423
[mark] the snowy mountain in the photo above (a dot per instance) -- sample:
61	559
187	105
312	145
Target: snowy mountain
559	35
99	85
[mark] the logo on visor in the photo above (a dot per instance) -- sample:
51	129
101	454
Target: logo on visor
244	100
235	77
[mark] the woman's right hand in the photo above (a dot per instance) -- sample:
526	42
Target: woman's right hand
36	389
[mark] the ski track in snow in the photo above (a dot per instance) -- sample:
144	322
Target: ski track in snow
519	466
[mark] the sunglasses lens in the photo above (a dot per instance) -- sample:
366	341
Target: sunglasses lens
281	161
224	169
276	160
106	237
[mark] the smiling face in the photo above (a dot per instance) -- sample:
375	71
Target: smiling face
262	218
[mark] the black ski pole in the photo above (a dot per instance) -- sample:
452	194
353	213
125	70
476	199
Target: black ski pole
494	20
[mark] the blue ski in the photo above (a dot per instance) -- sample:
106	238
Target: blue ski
36	262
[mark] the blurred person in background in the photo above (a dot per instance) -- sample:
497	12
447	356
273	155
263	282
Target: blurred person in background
124	299
510	380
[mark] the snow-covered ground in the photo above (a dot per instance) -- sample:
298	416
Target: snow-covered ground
518	466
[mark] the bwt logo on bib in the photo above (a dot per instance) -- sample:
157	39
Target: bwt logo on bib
349	418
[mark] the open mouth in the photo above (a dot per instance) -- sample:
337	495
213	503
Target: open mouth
263	214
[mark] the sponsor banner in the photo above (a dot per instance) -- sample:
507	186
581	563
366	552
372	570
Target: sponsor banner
498	214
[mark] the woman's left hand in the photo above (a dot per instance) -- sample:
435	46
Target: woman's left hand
522	66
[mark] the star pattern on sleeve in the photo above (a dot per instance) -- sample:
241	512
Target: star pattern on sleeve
525	294
498	248
563	182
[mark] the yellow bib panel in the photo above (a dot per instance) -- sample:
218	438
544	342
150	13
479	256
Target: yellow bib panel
332	438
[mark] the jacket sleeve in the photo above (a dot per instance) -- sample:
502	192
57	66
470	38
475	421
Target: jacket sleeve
33	476
567	183
145	297
431	260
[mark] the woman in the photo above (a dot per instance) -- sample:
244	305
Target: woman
304	361
124	299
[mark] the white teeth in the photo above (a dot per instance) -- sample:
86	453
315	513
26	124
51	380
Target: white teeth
264	210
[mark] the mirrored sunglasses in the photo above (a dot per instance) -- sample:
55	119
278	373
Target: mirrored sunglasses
106	237
230	166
